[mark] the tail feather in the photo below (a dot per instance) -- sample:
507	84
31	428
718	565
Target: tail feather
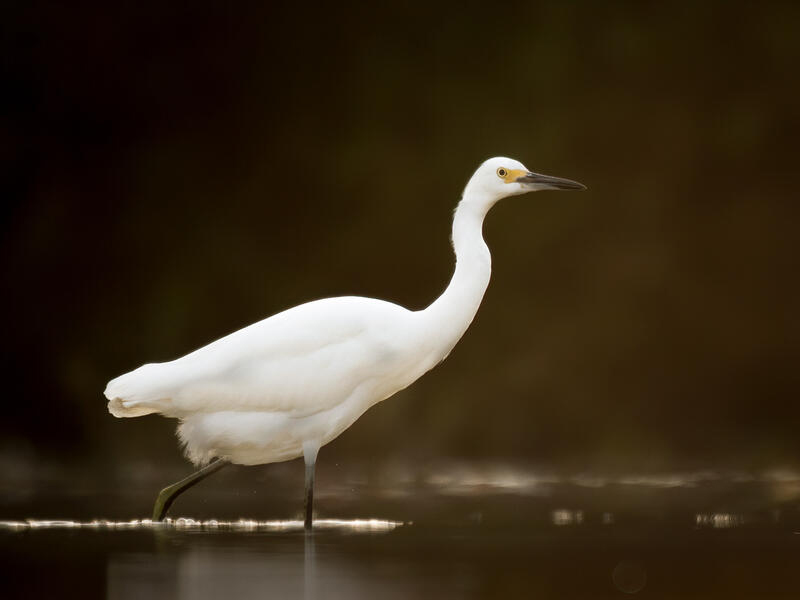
132	394
121	408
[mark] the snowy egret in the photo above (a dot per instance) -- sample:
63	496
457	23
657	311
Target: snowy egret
285	386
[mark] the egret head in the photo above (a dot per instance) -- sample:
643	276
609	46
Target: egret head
500	177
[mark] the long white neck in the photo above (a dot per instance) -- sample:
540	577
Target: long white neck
450	315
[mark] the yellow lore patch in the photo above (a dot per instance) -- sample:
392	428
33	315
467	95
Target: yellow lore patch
510	175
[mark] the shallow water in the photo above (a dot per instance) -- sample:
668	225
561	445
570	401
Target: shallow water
458	537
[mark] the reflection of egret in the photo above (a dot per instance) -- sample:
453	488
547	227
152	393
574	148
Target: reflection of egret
309	567
285	386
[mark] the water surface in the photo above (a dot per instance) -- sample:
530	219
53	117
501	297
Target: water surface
460	536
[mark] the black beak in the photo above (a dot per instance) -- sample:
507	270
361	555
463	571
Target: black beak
548	182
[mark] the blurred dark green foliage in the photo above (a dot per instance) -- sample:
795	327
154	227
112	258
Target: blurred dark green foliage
171	174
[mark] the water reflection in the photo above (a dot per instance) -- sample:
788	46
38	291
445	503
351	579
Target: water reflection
310	567
465	479
263	567
718	520
567	517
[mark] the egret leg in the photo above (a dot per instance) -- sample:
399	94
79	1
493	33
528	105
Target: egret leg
309	496
310	450
167	496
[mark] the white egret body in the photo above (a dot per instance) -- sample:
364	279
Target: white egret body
285	386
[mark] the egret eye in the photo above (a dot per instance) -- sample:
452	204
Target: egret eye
501	172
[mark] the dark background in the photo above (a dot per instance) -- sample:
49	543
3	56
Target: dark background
171	173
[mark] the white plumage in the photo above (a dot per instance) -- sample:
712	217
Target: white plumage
256	395
286	385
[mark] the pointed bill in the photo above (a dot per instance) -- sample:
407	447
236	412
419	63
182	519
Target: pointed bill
548	182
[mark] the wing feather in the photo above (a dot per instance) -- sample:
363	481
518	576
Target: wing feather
301	361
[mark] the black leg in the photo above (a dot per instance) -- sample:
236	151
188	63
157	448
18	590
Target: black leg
309	501
167	496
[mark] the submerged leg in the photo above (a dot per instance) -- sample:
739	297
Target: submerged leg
310	450
167	496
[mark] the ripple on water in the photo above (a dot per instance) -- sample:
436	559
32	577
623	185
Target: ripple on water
718	520
183	523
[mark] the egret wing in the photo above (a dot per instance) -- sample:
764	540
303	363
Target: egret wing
301	361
